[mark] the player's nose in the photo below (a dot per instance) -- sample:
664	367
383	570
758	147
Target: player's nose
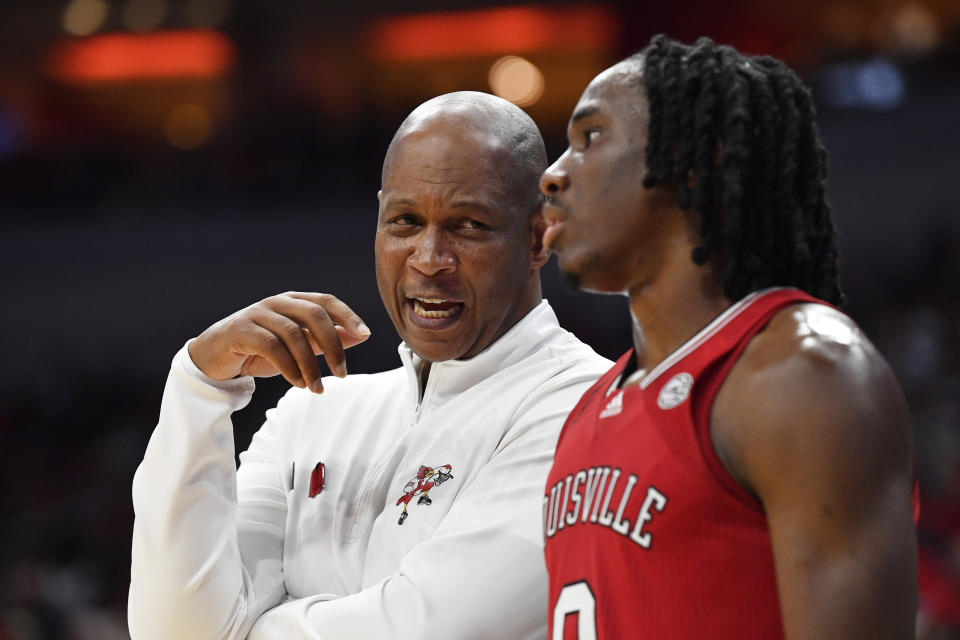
555	179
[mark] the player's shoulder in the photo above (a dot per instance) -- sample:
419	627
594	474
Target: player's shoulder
812	359
810	397
809	341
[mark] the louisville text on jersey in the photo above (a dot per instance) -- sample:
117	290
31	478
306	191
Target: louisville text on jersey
585	497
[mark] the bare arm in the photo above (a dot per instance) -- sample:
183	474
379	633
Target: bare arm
813	423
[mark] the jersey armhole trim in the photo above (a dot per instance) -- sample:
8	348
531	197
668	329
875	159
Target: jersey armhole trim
715	374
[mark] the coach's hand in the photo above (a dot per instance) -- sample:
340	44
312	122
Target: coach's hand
281	334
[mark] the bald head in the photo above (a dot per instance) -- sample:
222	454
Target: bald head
497	126
460	224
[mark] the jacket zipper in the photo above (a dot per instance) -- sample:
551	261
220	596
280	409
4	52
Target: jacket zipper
373	479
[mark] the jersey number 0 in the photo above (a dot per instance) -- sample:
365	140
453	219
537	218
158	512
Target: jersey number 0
577	598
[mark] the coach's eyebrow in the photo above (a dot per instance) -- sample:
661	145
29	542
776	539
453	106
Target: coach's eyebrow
403	202
584	112
471	204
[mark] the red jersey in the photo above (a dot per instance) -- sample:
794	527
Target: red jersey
647	535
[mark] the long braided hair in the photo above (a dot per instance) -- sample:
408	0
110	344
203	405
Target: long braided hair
737	135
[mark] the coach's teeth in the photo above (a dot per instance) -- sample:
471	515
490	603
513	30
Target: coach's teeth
432	313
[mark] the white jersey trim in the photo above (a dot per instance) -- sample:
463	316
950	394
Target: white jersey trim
704	334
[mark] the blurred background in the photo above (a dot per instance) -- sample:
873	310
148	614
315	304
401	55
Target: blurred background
166	162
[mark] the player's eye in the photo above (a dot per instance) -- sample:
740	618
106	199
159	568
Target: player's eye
590	135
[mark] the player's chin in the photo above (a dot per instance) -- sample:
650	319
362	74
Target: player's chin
571	270
584	276
571	279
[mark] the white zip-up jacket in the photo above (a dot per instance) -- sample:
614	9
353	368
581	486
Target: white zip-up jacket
365	512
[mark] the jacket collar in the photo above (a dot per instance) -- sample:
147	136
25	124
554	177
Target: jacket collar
451	377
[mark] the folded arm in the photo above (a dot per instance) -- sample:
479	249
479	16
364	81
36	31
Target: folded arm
203	566
481	575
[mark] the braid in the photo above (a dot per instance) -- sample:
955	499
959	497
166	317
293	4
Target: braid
796	254
670	88
823	252
705	116
735	168
743	130
686	146
654	57
765	232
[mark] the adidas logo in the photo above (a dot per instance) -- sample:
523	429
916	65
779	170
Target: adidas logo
614	407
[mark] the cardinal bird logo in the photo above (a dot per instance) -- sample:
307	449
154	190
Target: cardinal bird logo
420	485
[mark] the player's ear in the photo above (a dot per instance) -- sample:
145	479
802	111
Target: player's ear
539	254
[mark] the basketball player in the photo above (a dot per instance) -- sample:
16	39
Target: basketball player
317	535
745	470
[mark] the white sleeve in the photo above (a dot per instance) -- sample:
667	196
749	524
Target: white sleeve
202	566
481	575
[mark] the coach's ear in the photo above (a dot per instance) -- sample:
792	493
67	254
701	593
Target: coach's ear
539	254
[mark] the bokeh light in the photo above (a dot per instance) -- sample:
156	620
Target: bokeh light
187	126
206	13
118	57
913	30
83	17
873	84
516	79
144	15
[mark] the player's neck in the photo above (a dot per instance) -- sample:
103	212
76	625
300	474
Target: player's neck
672	309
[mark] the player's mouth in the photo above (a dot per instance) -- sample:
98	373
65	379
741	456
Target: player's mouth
550	234
555	218
433	313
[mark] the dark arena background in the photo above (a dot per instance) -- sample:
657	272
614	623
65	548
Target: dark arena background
166	162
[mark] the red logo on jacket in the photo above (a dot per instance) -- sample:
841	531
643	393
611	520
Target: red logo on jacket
427	478
316	479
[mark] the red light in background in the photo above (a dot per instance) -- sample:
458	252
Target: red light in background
119	57
492	31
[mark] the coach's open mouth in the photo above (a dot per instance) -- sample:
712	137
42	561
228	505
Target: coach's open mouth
433	313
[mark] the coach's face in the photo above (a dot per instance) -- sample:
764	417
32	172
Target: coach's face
457	255
608	230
